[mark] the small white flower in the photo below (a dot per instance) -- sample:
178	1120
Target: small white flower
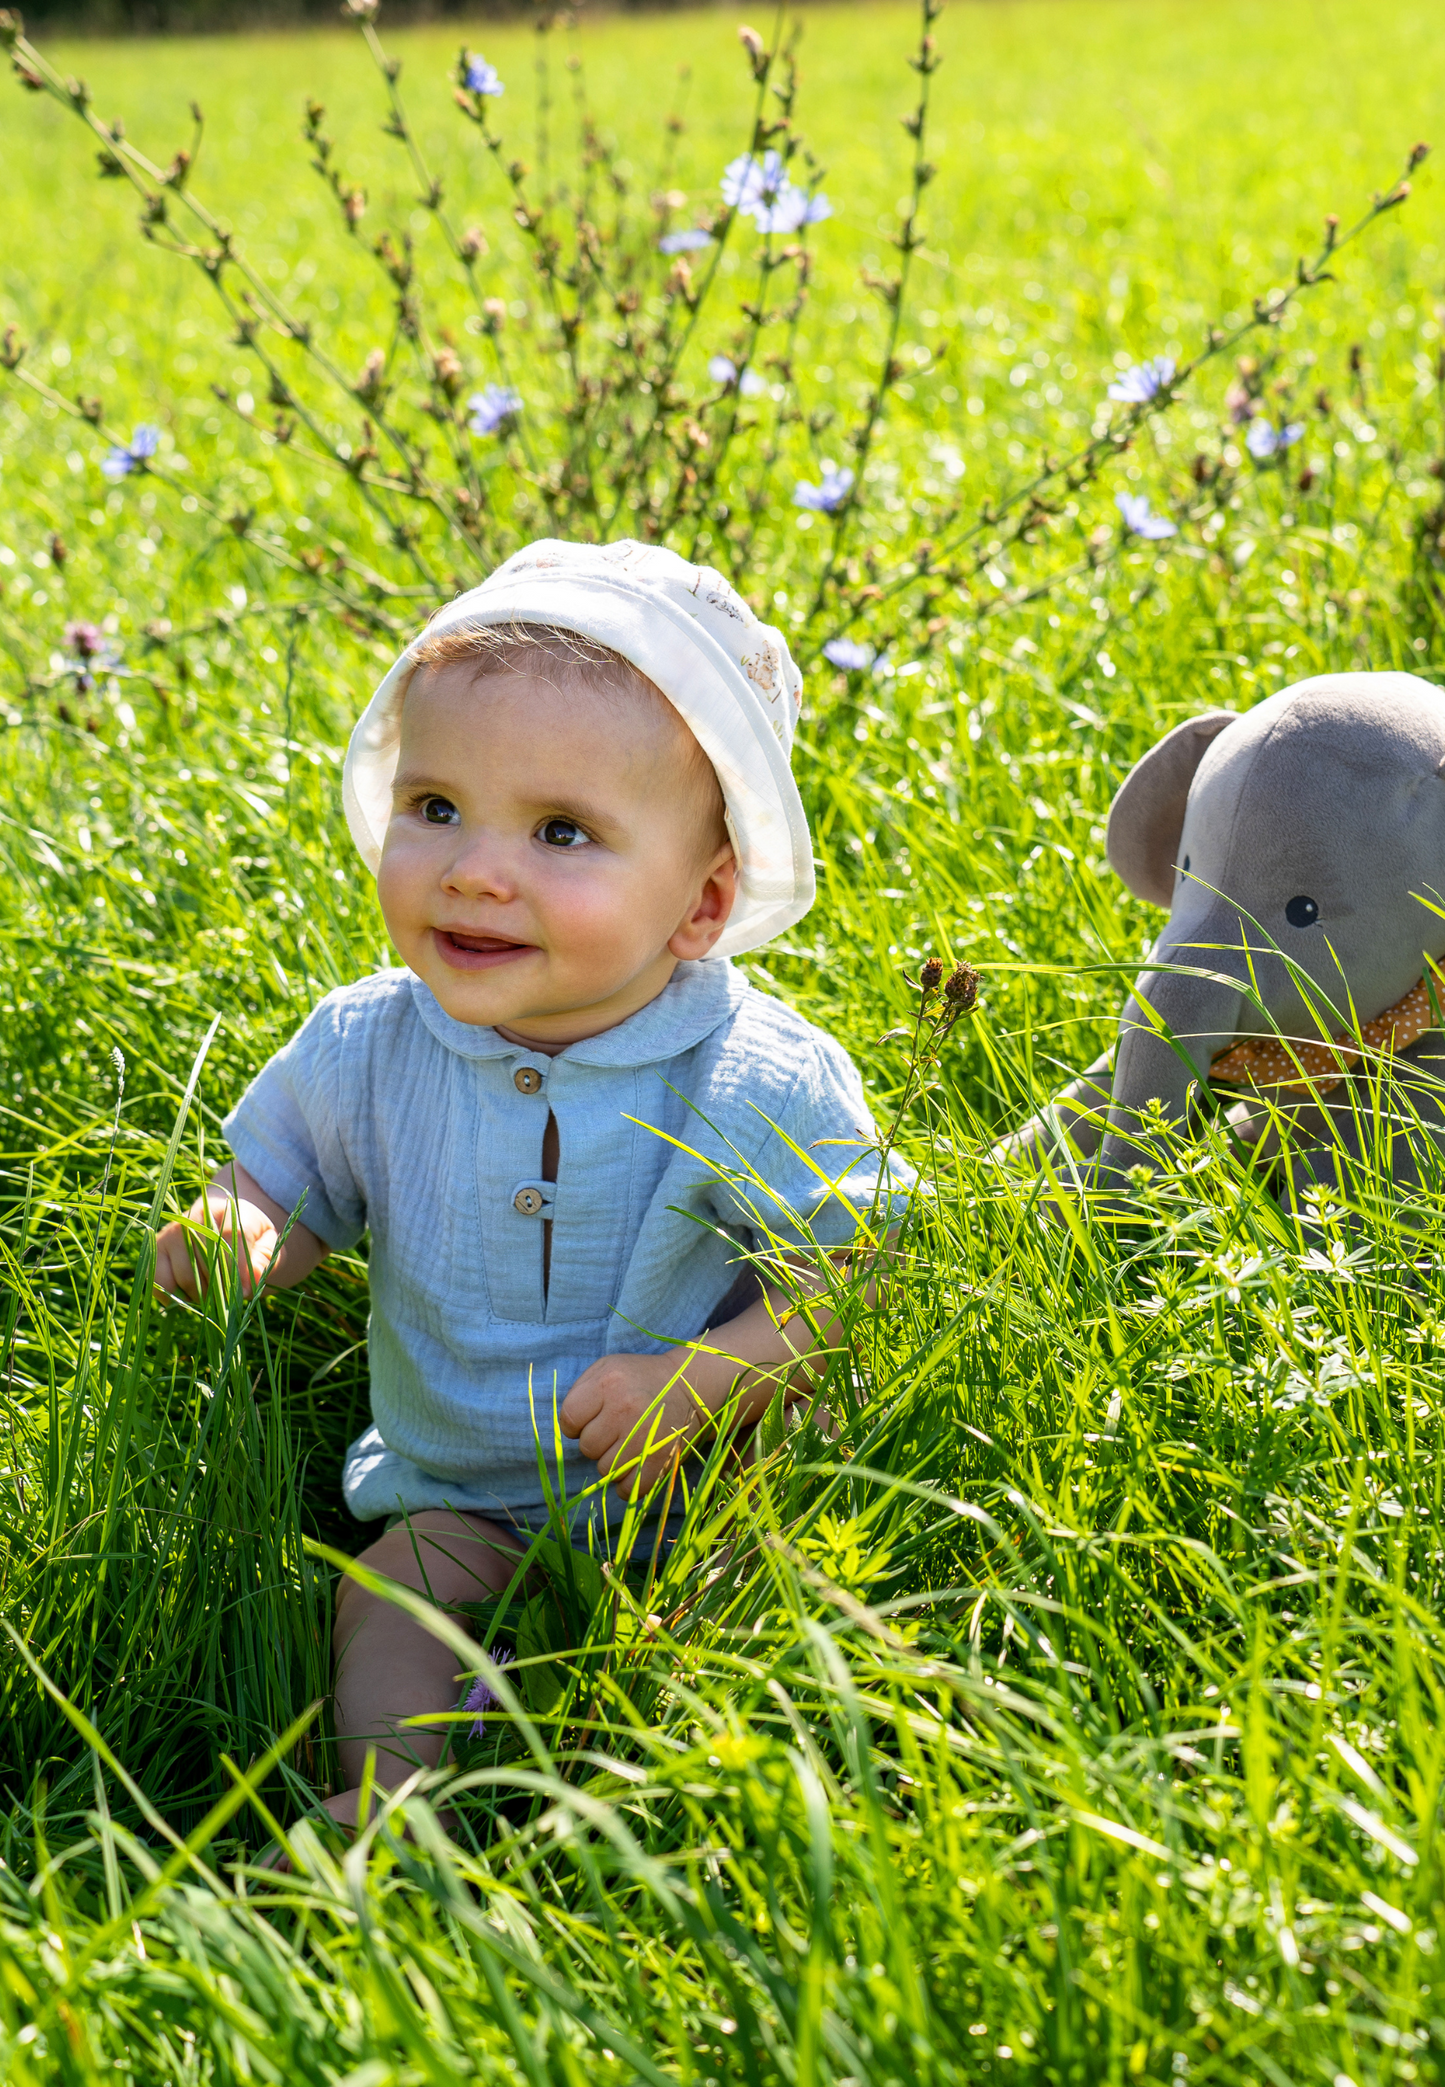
689	242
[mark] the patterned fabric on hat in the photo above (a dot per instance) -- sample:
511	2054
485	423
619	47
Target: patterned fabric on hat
729	675
1307	1067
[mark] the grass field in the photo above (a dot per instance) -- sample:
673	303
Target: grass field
1078	1715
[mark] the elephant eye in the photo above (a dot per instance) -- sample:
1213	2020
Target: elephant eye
1301	912
1184	866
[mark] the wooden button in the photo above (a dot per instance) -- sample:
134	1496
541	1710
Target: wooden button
526	1079
527	1202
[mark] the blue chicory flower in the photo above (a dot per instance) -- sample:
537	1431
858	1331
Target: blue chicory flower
690	242
1143	382
748	181
483	78
1264	440
723	370
828	497
122	460
848	654
791	209
493	409
481	1697
761	189
1140	520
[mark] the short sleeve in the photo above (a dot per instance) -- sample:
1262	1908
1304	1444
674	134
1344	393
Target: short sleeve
287	1133
813	1171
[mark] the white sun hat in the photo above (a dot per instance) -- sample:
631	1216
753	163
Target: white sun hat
729	676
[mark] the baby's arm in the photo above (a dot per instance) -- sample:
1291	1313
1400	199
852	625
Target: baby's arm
623	1402
239	1210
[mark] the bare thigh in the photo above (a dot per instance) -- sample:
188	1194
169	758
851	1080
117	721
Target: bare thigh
390	1669
443	1554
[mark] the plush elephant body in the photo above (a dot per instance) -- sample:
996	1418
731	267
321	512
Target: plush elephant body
1300	850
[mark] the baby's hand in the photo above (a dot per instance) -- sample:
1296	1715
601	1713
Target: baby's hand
625	1404
248	1233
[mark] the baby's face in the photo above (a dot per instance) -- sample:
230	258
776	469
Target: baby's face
548	859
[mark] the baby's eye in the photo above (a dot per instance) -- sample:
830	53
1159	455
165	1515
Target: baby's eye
439	811
563	833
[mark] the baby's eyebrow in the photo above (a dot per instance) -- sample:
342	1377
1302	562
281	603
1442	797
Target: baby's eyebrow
415	779
579	808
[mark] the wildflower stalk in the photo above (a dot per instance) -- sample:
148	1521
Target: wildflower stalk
160	191
893	290
1037	504
332	584
942	1004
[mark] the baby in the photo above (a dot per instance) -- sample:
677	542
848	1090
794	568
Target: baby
555	1122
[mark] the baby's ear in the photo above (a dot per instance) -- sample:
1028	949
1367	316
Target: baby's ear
1147	817
705	923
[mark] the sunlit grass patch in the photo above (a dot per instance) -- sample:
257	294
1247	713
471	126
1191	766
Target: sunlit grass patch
1075	1713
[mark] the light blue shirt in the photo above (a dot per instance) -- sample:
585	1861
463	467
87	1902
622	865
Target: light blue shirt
388	1116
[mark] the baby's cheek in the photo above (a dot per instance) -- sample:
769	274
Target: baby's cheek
397	890
602	912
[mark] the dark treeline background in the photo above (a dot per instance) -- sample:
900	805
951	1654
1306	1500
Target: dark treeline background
196	17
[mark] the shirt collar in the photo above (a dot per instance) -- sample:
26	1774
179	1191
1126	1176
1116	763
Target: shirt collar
696	999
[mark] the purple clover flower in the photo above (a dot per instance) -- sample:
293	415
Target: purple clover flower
723	370
493	409
827	498
91	652
481	1697
1141	521
483	78
121	461
691	241
849	654
1265	440
1143	382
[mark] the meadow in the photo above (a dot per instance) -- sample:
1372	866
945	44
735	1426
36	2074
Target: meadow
1075	1715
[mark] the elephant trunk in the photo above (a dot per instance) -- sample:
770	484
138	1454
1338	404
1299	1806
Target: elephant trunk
1195	1015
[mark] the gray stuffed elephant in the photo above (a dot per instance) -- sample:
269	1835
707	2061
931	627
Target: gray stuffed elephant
1300	851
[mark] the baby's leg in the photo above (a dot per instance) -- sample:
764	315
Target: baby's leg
389	1668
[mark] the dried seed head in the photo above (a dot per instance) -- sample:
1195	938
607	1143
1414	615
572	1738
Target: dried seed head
931	975
961	990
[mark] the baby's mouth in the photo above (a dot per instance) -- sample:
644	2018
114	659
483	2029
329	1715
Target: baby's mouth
478	952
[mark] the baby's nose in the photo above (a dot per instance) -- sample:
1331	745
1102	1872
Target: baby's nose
481	865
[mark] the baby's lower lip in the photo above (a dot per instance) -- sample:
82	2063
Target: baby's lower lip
477	952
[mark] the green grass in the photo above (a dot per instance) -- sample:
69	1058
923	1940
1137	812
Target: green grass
1078	1716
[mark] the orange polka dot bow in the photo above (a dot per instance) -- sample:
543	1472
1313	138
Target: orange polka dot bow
1300	1066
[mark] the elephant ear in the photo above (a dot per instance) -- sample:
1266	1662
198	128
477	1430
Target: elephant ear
1147	817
